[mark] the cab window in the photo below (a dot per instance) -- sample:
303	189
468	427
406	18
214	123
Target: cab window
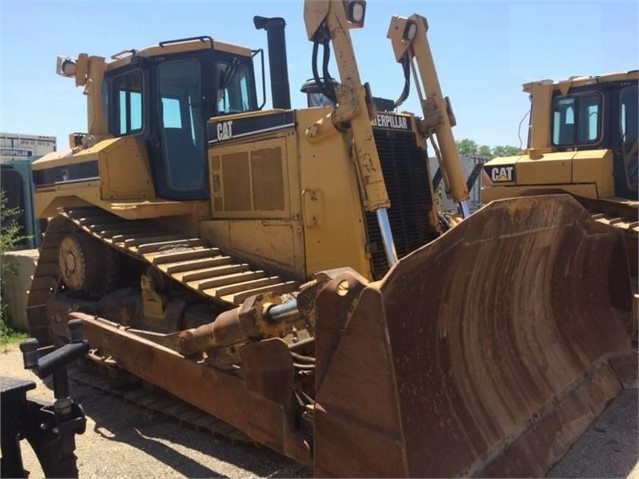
128	103
234	92
182	123
576	119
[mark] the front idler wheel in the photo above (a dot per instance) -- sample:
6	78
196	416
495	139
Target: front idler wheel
85	264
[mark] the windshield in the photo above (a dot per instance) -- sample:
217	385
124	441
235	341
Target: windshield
233	87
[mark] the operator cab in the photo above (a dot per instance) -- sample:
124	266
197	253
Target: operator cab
603	115
166	94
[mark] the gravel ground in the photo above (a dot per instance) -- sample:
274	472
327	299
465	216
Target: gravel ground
125	441
610	447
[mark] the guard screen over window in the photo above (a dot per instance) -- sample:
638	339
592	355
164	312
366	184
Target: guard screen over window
576	119
128	103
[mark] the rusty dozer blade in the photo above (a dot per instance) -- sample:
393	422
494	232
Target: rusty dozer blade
485	353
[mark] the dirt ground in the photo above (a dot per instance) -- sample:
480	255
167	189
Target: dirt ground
125	441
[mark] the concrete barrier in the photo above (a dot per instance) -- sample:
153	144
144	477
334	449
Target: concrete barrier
16	285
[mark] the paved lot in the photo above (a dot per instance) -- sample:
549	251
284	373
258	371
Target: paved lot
125	441
610	447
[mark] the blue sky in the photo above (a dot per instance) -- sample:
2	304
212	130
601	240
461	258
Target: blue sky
483	51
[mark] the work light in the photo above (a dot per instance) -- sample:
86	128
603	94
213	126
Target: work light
409	31
356	12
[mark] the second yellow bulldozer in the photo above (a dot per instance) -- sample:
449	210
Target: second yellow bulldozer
285	270
582	140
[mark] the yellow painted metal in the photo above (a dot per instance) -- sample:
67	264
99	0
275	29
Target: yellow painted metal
64	158
272	245
435	107
299	223
352	107
554	168
506	160
541	98
242	172
317	229
576	81
255	200
89	73
500	192
125	172
96	115
559	169
321	129
47	201
315	14
594	166
334	229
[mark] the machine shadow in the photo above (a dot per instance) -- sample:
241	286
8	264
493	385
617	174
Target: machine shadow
190	452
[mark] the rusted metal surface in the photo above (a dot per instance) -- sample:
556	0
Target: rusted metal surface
484	353
223	394
618	213
246	322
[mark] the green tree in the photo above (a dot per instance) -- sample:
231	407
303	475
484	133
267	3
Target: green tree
467	147
10	237
504	150
484	150
10	233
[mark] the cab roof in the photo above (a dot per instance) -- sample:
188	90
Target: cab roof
177	46
575	81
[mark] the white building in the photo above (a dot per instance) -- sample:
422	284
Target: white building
15	146
17	152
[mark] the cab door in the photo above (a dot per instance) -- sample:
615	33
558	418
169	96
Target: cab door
177	146
625	134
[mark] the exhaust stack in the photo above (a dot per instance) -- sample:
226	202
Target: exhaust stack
276	59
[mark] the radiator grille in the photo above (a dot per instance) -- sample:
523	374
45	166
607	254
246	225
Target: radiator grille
407	182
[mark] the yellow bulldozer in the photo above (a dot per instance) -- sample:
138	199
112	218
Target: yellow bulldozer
285	271
582	140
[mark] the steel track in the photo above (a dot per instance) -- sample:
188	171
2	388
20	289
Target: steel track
132	390
189	261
